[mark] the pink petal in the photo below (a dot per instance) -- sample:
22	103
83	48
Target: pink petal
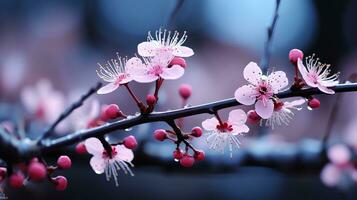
94	146
325	89
163	58
329	83
29	98
304	73
146	78
278	81
240	129
110	87
264	109
210	124
252	73
237	117
183	51
294	103
330	175
174	72
98	164
124	153
339	154
147	49
246	94
134	66
127	79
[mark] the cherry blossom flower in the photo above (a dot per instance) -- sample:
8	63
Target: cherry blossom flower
117	72
261	89
317	74
283	113
84	115
156	67
340	167
102	162
220	136
164	41
43	101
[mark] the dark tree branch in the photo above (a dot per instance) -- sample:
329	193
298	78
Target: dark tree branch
50	144
174	13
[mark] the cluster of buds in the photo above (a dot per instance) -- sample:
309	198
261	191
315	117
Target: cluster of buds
37	171
185	158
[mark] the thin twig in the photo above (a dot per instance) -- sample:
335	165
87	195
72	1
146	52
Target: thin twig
69	110
264	63
174	13
331	119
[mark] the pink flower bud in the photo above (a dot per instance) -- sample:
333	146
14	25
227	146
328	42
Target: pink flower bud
294	55
130	142
199	155
150	100
196	131
81	148
178	154
253	117
64	162
178	61
185	91
314	103
111	111
16	180
160	135
60	182
37	171
187	161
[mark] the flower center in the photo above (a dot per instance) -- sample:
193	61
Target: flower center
155	70
278	105
120	78
106	155
225	127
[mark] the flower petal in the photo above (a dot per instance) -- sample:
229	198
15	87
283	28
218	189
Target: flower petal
330	175
305	74
295	103
278	81
110	87
182	51
325	89
237	117
210	124
264	109
98	164
146	78
240	129
246	94
94	146
134	66
147	49
174	72
124	153
252	73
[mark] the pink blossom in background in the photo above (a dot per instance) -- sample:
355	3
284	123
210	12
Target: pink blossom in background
81	117
219	136
42	101
317	74
261	89
101	162
165	42
157	67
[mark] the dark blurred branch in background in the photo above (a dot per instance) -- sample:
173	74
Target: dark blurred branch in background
173	16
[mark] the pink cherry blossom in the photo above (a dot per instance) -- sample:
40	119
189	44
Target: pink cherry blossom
220	136
261	89
101	162
117	72
164	41
81	117
317	74
43	101
283	112
156	67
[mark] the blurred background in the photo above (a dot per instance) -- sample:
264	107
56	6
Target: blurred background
63	40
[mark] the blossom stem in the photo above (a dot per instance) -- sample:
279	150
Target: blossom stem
218	117
137	101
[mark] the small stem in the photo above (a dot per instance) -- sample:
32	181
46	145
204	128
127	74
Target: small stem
157	88
106	145
137	101
218	117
